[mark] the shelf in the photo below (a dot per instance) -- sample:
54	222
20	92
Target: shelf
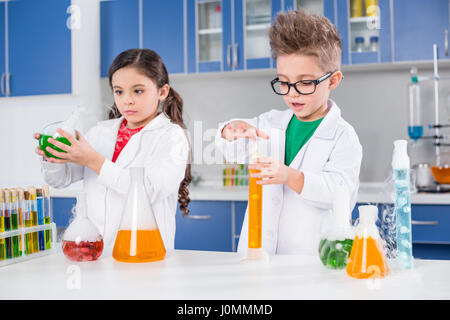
258	27
210	31
364	19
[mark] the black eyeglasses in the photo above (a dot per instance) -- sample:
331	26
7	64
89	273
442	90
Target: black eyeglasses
304	87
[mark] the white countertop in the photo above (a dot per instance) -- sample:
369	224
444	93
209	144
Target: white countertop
368	193
213	275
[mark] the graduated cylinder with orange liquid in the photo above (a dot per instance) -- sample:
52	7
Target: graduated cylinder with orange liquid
367	258
138	238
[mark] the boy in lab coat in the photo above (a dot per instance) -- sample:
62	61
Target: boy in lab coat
309	148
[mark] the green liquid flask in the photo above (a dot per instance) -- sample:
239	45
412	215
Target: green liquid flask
2	227
336	243
50	131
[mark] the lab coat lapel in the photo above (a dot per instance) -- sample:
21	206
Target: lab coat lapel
109	136
325	130
128	154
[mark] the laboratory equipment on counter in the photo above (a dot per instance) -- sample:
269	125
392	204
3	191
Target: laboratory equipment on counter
47	216
50	131
336	243
138	238
402	204
82	240
367	258
415	127
18	232
34	218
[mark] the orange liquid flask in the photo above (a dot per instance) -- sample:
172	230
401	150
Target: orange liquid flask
367	259
138	238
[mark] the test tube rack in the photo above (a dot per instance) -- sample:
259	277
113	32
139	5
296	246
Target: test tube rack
25	231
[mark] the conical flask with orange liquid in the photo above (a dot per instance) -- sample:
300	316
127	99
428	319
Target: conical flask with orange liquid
367	258
138	238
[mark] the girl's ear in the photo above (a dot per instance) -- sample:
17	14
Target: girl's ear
335	79
164	92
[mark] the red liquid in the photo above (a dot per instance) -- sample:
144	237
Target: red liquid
83	250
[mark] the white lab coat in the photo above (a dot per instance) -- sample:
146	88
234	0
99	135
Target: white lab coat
292	222
161	147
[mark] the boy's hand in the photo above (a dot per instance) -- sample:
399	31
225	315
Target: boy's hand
241	129
274	171
79	152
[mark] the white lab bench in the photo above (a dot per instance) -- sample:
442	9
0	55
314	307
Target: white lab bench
213	275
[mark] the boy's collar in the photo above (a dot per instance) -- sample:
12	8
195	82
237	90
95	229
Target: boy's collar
327	127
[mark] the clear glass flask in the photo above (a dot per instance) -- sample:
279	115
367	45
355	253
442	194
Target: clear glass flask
82	241
138	238
50	131
336	243
367	258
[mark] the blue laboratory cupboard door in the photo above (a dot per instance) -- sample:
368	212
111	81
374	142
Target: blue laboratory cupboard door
252	19
207	227
39	47
209	33
163	31
119	29
342	25
418	25
329	10
2	49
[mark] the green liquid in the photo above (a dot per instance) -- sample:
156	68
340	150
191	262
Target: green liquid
334	254
28	239
34	235
48	238
15	239
2	241
43	143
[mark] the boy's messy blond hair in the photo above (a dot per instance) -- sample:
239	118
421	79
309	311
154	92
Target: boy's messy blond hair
298	32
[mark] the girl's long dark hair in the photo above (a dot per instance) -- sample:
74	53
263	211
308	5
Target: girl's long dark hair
150	64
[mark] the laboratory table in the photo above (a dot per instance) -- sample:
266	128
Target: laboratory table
213	275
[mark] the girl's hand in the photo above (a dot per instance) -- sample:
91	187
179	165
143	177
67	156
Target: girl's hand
79	152
241	129
274	171
38	150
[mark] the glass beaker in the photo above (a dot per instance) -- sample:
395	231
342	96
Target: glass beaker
367	259
336	243
441	168
138	238
82	241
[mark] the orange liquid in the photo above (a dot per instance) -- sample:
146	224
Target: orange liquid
254	213
367	259
139	246
441	174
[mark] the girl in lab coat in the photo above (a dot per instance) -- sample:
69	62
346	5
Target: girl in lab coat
307	149
145	129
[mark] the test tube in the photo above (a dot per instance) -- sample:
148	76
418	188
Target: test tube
28	223
34	218
20	206
40	214
2	226
254	203
14	211
47	217
7	217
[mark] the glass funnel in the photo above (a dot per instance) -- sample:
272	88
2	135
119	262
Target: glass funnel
138	238
82	240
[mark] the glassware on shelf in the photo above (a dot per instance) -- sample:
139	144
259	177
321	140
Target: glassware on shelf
372	8
257	23
359	44
209	31
82	241
356	8
373	43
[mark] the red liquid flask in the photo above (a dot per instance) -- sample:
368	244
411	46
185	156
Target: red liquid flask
82	241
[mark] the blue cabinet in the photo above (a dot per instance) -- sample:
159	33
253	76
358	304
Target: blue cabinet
163	31
2	49
206	227
417	26
157	25
39	47
229	35
119	29
62	209
239	215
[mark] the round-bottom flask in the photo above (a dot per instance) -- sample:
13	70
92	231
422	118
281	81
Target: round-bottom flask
82	241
